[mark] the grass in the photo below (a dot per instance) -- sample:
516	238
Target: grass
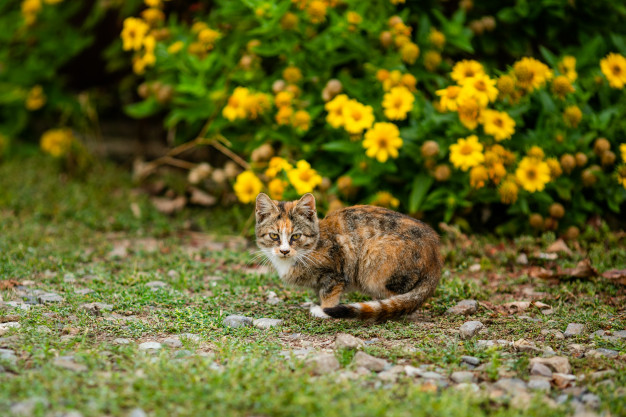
60	234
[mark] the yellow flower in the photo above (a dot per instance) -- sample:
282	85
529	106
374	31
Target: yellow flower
536	152
153	16
397	1
497	124
555	168
572	115
508	192
57	142
301	120
276	188
385	199
481	87
153	3
531	74
292	74
621	175
247	187
466	69
478	176
335	110
382	141
561	86
52	2
283	99
235	109
283	116
30	9
36	98
449	96
276	165
198	26
614	69
304	178
469	111
397	103
289	21
622	150
255	104
409	52
394	79
133	33
175	47
409	81
567	67
505	85
354	18
436	38
533	174
207	37
466	153
316	11
432	59
357	117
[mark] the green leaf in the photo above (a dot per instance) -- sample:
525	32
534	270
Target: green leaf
342	146
421	185
142	109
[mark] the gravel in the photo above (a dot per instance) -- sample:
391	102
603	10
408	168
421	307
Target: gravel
347	341
150	346
464	307
324	363
236	321
470	329
265	323
574	329
369	362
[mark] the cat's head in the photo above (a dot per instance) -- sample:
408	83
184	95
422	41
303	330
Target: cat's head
286	229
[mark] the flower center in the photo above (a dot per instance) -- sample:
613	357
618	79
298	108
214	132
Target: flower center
469	72
382	142
531	174
498	122
467	149
398	102
617	69
356	115
480	85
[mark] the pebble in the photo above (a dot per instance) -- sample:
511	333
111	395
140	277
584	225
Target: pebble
347	341
470	360
27	408
464	307
121	341
620	333
591	400
511	385
96	308
470	328
137	412
150	346
563	380
324	363
172	342
595	376
49	298
462	377
540	370
172	274
71	413
464	386
4	327
190	336
522	259
156	285
265	323
474	268
69	278
236	321
539	385
556	363
602	352
574	329
557	334
8	355
83	291
68	362
369	362
391	374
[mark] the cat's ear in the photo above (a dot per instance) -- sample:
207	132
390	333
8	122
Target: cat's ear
306	206
264	207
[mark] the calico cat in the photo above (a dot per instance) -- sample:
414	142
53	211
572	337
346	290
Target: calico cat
387	255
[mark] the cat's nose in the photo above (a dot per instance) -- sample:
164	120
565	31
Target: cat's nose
285	252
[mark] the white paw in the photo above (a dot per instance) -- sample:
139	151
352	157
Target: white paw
316	311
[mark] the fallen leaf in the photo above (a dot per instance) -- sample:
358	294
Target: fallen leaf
618	276
8	283
168	206
541	305
540	272
201	198
559	246
582	270
516	306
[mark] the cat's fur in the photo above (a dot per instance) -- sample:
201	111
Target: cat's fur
387	255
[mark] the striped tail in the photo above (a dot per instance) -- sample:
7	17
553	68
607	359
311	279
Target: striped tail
380	310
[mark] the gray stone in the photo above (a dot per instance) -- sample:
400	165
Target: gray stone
150	346
265	323
69	363
470	387
137	412
236	321
172	274
563	380
539	385
191	337
69	278
347	341
596	376
96	308
27	408
412	371
555	333
462	377
620	333
511	385
591	400
156	285
540	370
574	329
369	362
470	360
8	356
49	298
83	291
431	375
556	363
464	307
4	327
391	374
522	259
183	353
172	342
470	329
602	352
122	341
324	363
43	329
71	413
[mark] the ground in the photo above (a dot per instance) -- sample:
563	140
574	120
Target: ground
67	243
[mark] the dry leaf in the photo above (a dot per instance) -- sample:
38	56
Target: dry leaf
516	306
559	246
540	272
201	198
8	283
541	305
617	276
167	206
582	270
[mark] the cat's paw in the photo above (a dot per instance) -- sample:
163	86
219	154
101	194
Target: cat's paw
316	311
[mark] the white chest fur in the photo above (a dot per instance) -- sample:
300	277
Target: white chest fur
282	265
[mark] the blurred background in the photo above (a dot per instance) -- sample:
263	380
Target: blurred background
490	116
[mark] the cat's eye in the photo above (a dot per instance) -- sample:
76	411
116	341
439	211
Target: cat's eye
274	236
296	236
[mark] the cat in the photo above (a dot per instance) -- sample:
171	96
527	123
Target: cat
389	256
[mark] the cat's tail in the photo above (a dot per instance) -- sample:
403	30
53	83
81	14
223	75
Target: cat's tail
380	310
